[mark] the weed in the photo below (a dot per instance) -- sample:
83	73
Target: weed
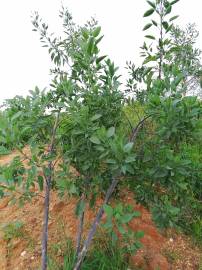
13	230
102	256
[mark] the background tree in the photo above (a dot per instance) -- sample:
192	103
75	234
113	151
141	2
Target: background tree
170	57
187	57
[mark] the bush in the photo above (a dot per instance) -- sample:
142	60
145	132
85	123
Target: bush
168	165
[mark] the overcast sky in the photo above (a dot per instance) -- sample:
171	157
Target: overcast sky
25	64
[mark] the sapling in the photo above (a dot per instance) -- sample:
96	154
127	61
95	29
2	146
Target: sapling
93	105
80	118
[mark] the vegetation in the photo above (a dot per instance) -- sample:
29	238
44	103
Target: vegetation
150	143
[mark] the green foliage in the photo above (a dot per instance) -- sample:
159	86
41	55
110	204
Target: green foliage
187	57
4	150
168	163
102	256
24	119
118	219
105	255
11	176
77	121
82	122
171	62
168	157
13	230
164	213
177	118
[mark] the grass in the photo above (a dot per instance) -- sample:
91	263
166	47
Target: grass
13	230
102	256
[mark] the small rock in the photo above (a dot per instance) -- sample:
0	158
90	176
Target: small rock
23	253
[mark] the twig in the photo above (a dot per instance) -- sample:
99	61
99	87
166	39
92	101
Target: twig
20	193
138	127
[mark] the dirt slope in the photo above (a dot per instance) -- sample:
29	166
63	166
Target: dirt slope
23	251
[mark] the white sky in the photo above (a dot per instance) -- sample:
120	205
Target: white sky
25	64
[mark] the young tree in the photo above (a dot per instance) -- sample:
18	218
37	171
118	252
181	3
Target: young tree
157	53
75	124
187	57
170	55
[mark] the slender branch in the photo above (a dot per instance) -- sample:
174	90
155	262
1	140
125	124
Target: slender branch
138	127
96	222
80	229
26	157
18	192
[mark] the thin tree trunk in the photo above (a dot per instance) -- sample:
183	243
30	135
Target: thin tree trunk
45	225
80	230
96	222
48	179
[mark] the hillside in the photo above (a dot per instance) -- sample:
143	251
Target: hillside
169	250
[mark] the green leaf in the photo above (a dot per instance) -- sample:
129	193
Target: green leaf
90	46
72	189
161	173
169	28
128	147
40	182
99	59
98	40
147	26
16	115
47	171
130	159
168	10
111	161
108	225
97	31
121	229
129	168
148	12
154	23
165	25
126	218
139	234
178	79
4	150
150	37
108	210
174	2
95	140
173	18
96	116
152	4
110	132
80	207
100	148
85	34
149	59
136	214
